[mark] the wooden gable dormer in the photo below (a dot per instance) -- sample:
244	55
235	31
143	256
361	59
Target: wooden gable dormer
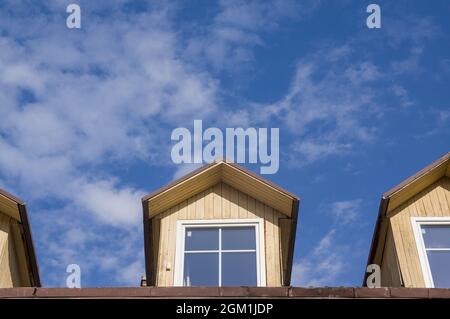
221	225
18	265
411	241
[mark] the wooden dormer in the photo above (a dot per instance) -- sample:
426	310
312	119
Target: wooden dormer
18	265
221	225
411	241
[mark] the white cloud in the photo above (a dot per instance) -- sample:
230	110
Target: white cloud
410	64
76	103
402	94
410	29
239	26
96	98
328	260
326	108
440	123
103	252
118	206
311	151
132	273
322	266
79	236
346	211
333	101
443	116
362	72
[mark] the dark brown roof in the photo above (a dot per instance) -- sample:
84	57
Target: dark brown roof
27	237
226	292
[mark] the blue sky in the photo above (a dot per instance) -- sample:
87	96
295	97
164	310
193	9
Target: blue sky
86	116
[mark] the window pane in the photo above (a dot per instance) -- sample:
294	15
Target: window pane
238	238
439	264
436	236
202	239
201	269
239	269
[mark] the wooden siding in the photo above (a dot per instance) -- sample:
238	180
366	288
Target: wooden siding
9	270
220	201
434	201
258	189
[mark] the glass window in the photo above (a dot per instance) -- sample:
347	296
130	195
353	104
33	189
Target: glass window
436	236
220	256
239	269
238	238
439	265
436	239
202	239
201	269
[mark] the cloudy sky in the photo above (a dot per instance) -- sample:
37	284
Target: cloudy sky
86	116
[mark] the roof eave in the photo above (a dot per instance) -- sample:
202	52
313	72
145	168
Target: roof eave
292	236
205	167
164	197
404	184
35	280
382	210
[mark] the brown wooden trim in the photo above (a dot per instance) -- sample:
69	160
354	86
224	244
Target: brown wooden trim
18	292
377	293
35	279
263	180
328	292
384	203
148	246
177	181
11	197
205	167
227	292
292	236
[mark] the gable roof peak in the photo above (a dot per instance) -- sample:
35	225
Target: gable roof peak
218	171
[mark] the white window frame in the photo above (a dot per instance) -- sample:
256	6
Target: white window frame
417	223
258	223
